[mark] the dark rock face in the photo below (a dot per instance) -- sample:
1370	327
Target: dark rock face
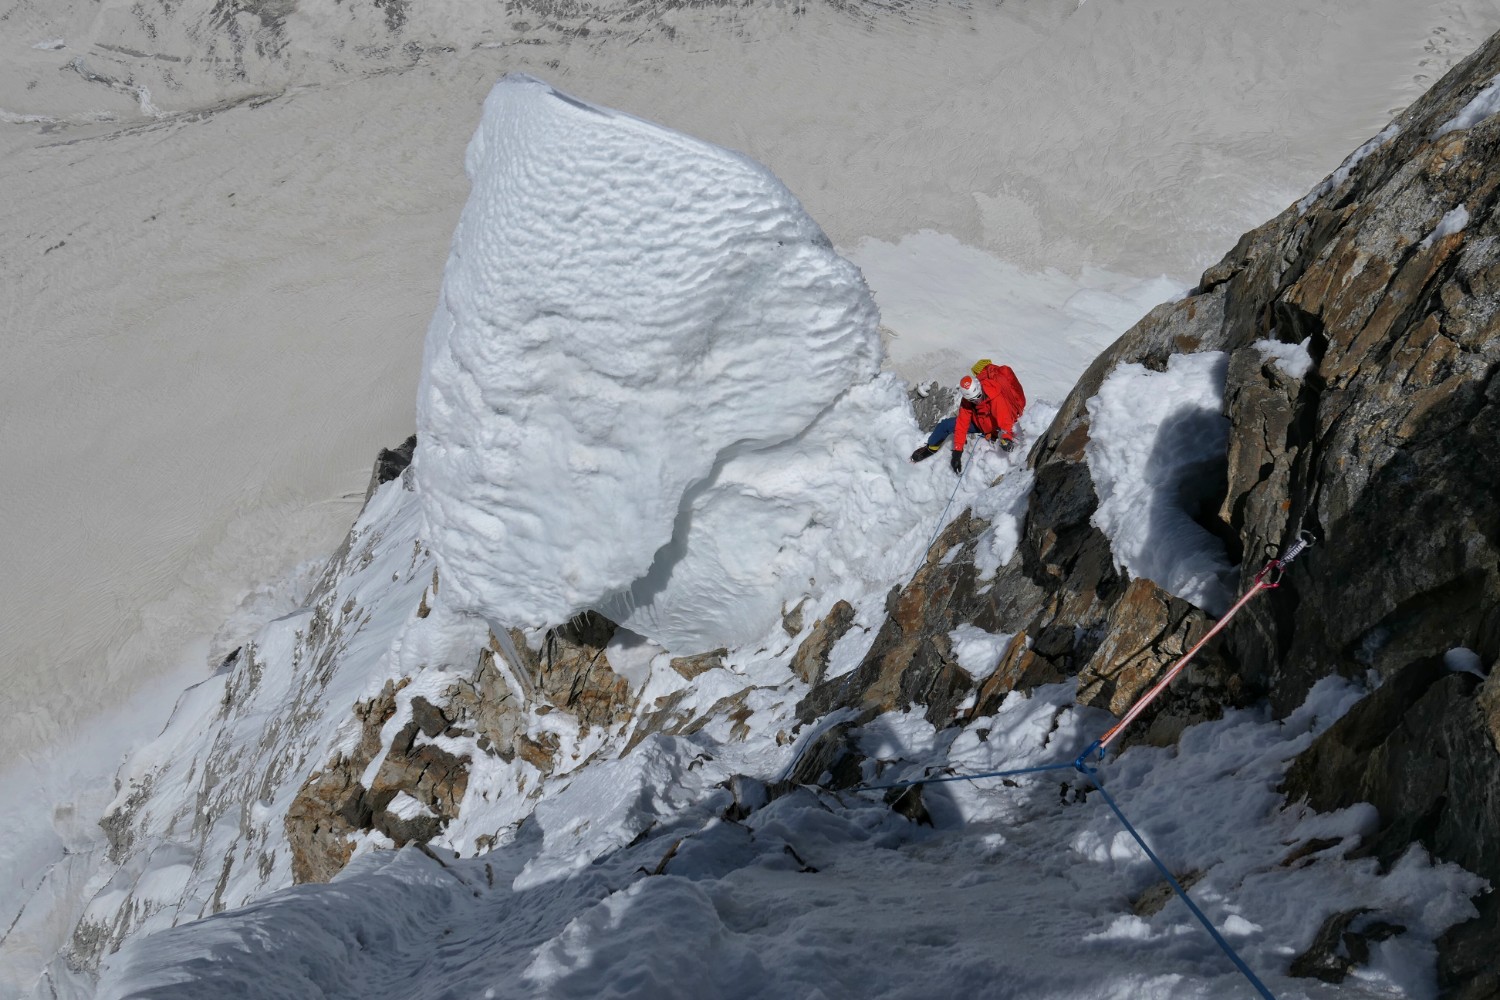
390	463
1421	750
1341	944
1417	749
1384	447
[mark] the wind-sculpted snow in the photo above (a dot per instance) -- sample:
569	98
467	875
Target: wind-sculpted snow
838	505
636	332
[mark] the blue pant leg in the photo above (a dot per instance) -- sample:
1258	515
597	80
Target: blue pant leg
942	431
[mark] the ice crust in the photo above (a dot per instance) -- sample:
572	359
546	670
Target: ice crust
627	314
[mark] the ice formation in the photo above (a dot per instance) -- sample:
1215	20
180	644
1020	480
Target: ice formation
636	331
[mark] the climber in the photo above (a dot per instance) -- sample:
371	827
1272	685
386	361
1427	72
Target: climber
992	402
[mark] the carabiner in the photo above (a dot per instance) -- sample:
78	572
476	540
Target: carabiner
1278	566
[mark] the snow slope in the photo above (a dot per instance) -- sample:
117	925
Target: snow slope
1012	891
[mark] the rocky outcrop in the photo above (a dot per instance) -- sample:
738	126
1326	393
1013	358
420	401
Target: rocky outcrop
1420	750
1147	631
334	806
911	662
811	658
1385	282
1342	944
419	784
571	672
931	402
390	463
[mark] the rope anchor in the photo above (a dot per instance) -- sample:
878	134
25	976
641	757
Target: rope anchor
1269	578
1277	567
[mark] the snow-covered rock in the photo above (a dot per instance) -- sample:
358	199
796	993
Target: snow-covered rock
199	822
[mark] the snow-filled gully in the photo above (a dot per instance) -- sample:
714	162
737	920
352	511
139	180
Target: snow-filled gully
1089	761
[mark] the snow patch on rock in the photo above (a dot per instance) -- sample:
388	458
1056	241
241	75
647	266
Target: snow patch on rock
1294	360
1484	104
978	652
1154	440
1453	221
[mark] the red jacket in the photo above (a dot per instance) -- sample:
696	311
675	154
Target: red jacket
998	411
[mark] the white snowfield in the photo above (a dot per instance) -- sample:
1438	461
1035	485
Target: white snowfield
649	387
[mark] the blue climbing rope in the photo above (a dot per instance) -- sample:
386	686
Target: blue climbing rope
1063	766
1082	766
1239	963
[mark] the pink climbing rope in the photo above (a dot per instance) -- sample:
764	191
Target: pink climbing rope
1268	578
